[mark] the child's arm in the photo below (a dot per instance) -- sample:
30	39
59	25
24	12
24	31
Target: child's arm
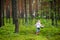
42	25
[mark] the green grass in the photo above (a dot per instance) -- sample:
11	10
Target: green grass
27	31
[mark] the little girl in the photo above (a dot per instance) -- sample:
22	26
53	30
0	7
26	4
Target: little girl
38	25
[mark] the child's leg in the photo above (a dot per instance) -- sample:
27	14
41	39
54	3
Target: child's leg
38	30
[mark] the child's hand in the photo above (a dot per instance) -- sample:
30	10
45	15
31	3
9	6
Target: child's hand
42	26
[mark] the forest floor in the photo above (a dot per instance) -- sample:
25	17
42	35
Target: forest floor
28	31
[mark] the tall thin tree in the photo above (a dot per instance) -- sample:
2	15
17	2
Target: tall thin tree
2	11
7	10
22	10
55	12
30	11
0	14
25	11
52	17
30	8
36	8
15	17
58	1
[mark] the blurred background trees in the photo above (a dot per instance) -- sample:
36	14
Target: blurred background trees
27	10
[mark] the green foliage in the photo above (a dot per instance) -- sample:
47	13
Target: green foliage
28	32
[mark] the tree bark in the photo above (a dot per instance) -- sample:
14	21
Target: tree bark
25	11
2	12
0	15
30	8
58	10
30	11
52	17
8	10
55	12
15	17
36	8
22	10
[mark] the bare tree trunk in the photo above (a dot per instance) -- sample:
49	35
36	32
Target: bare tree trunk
30	11
36	8
8	11
55	12
58	9
15	17
0	15
22	10
30	8
52	17
2	12
25	11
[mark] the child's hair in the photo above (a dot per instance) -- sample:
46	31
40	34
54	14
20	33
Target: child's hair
38	20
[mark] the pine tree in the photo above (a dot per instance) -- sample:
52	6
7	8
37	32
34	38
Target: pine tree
2	12
14	15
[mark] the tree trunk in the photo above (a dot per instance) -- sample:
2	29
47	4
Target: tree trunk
0	15
8	10
22	10
58	10
25	11
52	17
30	8
15	17
55	12
13	10
2	12
36	8
30	11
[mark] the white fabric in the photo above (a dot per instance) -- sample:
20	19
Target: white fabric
38	24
